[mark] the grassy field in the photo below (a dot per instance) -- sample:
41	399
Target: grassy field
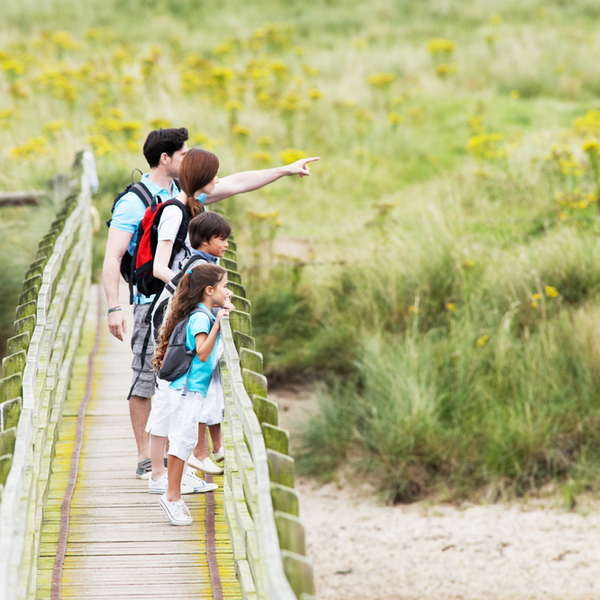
437	274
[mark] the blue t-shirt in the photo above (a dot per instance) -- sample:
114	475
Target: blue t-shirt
130	211
200	373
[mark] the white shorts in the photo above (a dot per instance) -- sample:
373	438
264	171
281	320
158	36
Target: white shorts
190	410
158	421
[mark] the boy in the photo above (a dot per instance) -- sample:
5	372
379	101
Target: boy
208	234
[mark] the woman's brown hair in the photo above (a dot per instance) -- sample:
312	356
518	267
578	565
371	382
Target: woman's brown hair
189	294
198	168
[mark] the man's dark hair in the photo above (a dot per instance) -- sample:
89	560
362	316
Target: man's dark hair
206	226
163	140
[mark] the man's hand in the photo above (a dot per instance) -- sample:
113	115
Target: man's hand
300	167
117	324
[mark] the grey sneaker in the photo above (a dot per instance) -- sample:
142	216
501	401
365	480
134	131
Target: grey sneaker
144	469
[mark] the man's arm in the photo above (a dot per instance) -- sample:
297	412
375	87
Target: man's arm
116	246
247	181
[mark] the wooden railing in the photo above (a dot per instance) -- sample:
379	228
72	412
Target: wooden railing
36	377
260	501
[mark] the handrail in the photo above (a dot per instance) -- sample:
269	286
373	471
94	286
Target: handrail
261	506
36	373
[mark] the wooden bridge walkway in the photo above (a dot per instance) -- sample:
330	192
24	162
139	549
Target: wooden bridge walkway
120	544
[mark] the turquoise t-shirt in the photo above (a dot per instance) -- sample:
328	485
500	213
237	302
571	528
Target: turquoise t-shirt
200	373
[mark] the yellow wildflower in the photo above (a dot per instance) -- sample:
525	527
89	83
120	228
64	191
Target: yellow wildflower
551	292
382	80
440	46
515	94
413	310
451	306
290	155
395	118
315	94
240	131
483	340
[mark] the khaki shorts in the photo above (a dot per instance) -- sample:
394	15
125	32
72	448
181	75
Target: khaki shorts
144	377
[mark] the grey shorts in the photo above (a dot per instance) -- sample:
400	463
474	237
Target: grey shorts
143	380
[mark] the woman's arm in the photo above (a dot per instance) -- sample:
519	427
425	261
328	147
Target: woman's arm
205	342
162	257
248	181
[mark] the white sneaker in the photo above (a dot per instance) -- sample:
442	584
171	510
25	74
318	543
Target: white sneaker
161	486
177	512
196	483
206	465
220	455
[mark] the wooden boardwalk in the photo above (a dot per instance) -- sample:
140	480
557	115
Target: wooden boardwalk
120	544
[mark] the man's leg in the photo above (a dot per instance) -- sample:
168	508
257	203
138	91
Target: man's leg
142	387
139	410
215	436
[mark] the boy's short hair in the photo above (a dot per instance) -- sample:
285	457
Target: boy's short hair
206	226
163	140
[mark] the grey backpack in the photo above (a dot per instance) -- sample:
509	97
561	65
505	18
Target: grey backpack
178	359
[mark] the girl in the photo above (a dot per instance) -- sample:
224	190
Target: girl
204	287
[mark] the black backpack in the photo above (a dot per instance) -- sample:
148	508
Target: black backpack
144	194
177	360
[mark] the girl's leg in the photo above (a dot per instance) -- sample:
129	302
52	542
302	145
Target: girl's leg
176	466
215	436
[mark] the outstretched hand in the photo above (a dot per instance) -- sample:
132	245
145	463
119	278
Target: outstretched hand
300	167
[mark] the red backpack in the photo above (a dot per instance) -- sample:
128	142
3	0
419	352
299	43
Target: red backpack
145	247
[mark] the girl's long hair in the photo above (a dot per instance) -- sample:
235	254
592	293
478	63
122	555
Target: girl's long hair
198	168
189	294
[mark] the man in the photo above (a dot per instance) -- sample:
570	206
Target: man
163	149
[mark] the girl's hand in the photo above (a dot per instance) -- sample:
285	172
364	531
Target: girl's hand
223	312
228	304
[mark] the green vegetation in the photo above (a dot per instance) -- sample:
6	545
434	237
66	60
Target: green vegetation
437	273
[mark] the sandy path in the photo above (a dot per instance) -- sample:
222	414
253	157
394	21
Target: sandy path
362	549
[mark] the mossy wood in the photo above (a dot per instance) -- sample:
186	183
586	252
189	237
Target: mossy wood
18	342
285	499
255	383
14	363
236	288
291	533
276	438
10	387
240	321
230	265
299	572
234	276
281	468
241	303
266	410
26	310
252	360
241	340
28	295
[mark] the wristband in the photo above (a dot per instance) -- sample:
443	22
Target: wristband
114	309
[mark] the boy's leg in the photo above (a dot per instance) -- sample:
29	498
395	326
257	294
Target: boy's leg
215	436
200	450
158	444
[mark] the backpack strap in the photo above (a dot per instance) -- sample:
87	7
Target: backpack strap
192	261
